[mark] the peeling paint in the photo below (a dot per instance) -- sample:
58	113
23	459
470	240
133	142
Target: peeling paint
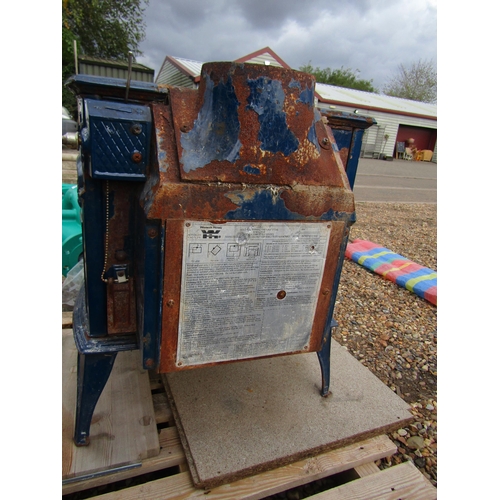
311	135
307	96
267	99
215	134
250	169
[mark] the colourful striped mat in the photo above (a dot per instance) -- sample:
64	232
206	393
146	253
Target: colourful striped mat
418	279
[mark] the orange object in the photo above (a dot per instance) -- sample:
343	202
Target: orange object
426	155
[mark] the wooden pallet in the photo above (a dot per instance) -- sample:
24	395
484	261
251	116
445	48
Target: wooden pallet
166	475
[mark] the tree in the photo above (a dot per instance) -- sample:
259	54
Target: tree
102	28
418	82
343	77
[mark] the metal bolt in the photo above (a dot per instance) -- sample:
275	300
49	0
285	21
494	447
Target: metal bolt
152	233
120	255
325	141
326	291
136	157
136	128
184	128
170	303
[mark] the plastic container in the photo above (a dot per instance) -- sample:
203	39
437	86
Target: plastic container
72	249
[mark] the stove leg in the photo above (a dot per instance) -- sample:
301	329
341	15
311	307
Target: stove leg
93	373
324	363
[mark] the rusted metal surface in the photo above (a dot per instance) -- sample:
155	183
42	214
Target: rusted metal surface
119	257
172	198
121	307
218	160
308	180
253	124
248	145
348	129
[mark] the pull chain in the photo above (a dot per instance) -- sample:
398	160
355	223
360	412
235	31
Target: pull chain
106	235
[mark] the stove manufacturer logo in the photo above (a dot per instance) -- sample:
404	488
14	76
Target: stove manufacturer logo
211	233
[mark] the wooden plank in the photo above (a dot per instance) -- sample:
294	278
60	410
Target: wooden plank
266	483
155	381
163	412
401	481
171	455
69	173
67	319
123	429
367	469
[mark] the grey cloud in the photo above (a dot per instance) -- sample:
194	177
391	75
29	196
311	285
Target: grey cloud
372	36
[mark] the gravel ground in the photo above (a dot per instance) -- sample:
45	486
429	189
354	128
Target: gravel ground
392	331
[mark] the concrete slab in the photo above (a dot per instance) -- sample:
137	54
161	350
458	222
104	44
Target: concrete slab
240	419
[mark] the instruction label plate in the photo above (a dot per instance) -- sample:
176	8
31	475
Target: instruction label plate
248	289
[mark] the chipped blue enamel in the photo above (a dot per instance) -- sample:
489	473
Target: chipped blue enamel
311	135
251	170
215	134
266	205
267	100
307	96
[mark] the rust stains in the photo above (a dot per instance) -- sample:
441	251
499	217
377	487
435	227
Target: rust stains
266	115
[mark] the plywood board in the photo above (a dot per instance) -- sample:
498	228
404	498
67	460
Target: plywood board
123	429
239	419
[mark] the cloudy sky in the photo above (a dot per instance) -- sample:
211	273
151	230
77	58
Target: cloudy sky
371	36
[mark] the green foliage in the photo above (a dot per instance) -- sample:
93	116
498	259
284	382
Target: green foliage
106	28
417	82
68	69
103	28
68	99
343	77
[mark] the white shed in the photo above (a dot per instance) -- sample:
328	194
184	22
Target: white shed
397	119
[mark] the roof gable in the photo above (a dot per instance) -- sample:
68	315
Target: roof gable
262	56
192	69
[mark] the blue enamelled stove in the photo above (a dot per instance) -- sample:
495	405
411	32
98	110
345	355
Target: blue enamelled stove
214	223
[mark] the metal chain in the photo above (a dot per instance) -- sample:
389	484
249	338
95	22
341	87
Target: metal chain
106	235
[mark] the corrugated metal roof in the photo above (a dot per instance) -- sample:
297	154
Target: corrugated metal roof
113	63
114	72
370	100
194	67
